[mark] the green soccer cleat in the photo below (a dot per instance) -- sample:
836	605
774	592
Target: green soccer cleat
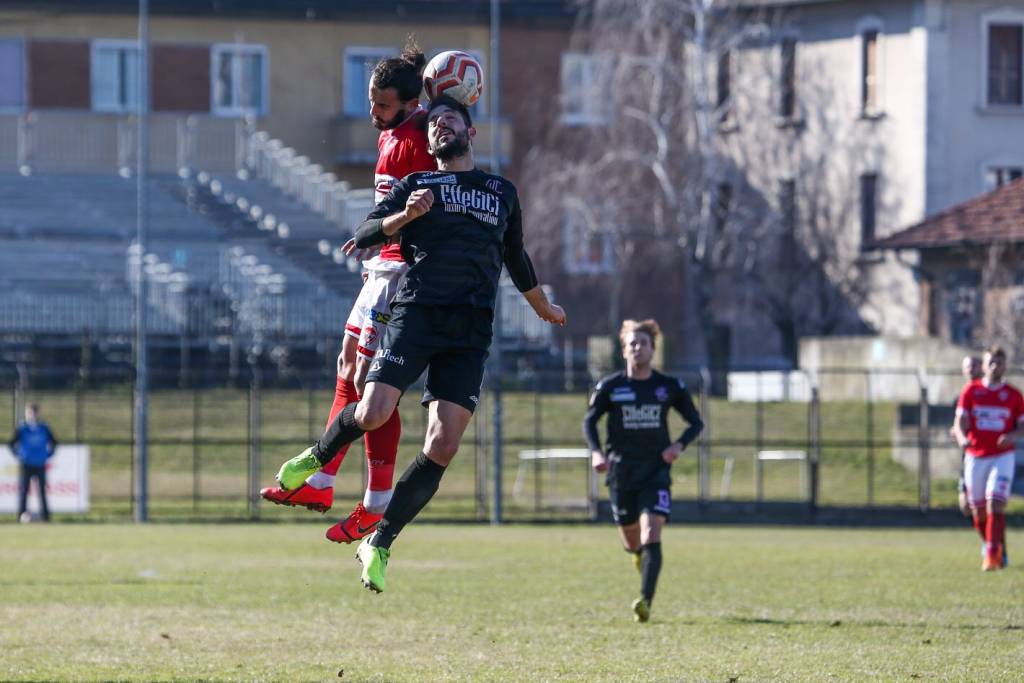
375	563
641	610
294	473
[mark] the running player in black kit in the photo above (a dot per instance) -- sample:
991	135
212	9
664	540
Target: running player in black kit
640	452
459	225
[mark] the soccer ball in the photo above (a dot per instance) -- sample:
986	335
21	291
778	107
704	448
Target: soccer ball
456	74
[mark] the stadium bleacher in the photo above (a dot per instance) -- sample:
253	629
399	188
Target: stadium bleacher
66	260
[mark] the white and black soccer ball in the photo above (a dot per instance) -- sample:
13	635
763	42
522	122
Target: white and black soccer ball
455	74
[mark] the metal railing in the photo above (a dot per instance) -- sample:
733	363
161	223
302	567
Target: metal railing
215	445
89	142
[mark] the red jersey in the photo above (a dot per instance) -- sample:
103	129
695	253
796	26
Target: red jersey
400	151
993	411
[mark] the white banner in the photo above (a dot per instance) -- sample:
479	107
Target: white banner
67	481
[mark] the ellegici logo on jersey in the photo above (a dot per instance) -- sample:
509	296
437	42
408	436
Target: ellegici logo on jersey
481	205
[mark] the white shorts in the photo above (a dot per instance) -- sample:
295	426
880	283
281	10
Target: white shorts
989	478
372	310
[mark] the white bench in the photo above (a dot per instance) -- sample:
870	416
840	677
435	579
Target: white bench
780	456
551	455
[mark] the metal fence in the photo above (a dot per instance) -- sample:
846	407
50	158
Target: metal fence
840	438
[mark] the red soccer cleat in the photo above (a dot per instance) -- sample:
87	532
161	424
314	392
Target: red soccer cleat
358	524
318	500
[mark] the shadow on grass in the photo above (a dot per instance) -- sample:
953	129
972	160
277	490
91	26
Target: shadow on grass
872	623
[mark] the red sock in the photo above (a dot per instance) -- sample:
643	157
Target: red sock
382	451
980	524
344	393
995	529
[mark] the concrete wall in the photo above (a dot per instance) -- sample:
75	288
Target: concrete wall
897	366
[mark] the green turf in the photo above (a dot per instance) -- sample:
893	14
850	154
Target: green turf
522	603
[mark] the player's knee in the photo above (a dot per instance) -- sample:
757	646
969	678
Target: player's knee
370	417
441	447
996	507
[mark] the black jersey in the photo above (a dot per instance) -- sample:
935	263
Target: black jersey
455	251
638	414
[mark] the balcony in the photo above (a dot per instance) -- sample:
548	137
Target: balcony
355	141
89	142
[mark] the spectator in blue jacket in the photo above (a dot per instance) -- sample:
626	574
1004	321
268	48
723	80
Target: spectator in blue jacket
33	444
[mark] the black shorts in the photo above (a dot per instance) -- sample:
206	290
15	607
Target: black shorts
639	486
449	342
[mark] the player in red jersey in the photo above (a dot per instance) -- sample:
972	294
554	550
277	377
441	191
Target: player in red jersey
402	149
990	419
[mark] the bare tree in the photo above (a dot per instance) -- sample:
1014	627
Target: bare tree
682	170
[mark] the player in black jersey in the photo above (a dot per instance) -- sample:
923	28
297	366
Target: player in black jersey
640	453
459	225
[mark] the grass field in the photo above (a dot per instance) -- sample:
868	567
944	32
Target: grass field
522	603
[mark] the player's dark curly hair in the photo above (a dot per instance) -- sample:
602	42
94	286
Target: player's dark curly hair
451	103
404	73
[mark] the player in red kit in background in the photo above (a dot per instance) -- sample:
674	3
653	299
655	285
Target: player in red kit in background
402	149
990	419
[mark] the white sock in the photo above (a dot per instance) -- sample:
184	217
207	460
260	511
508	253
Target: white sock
377	501
321	480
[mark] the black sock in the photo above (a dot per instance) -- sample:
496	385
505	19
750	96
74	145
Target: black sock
342	431
650	567
413	491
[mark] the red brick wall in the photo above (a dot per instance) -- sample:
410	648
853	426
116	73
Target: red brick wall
59	75
181	78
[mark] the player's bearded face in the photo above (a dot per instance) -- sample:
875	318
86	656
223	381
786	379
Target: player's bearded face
386	110
448	135
455	145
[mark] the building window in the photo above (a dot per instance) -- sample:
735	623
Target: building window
723	96
868	208
787	79
963	304
997	176
869	72
239	80
588	248
115	75
12	75
582	103
359	65
1005	61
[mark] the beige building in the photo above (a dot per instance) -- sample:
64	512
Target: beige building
868	116
300	74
